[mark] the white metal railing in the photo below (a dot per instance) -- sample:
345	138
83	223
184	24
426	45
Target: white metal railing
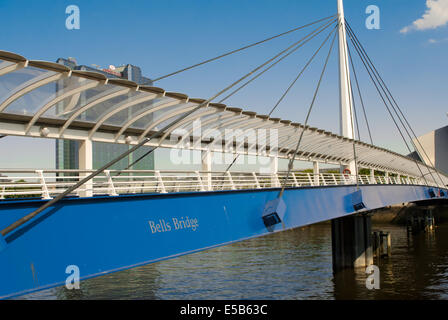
48	183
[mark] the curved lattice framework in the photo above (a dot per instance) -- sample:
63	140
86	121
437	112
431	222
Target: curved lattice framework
81	105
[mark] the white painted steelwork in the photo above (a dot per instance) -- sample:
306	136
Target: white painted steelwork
345	98
48	183
44	99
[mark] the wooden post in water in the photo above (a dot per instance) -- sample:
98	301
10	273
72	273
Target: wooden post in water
380	240
420	220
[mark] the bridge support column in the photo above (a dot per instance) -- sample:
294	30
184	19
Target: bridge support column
273	162
351	242
316	173
85	156
372	176
207	166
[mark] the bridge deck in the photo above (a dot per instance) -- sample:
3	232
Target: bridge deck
106	234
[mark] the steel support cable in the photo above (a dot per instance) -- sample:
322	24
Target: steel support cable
292	84
300	73
53	201
360	95
376	75
291	161
324	26
241	49
391	104
301	42
355	114
396	124
385	103
396	105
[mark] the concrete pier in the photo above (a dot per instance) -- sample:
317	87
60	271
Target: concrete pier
351	242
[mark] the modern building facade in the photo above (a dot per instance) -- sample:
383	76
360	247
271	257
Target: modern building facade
435	145
67	150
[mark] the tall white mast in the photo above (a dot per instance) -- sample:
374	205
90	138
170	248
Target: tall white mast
345	97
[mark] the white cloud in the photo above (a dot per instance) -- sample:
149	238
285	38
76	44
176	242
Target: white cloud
436	15
434	41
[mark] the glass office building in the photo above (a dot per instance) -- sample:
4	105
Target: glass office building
67	150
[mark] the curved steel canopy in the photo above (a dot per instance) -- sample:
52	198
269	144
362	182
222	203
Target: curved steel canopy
82	105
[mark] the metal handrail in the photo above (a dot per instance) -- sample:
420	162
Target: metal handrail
49	183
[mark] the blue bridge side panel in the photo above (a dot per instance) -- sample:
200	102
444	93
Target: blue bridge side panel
107	234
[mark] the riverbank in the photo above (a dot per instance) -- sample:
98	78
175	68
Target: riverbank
397	214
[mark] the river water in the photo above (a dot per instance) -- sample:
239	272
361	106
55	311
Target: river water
295	264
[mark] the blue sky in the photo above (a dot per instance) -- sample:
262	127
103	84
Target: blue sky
163	36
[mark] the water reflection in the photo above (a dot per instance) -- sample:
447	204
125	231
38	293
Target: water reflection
417	269
291	265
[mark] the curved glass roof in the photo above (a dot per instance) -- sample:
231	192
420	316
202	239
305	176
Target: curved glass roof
80	105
